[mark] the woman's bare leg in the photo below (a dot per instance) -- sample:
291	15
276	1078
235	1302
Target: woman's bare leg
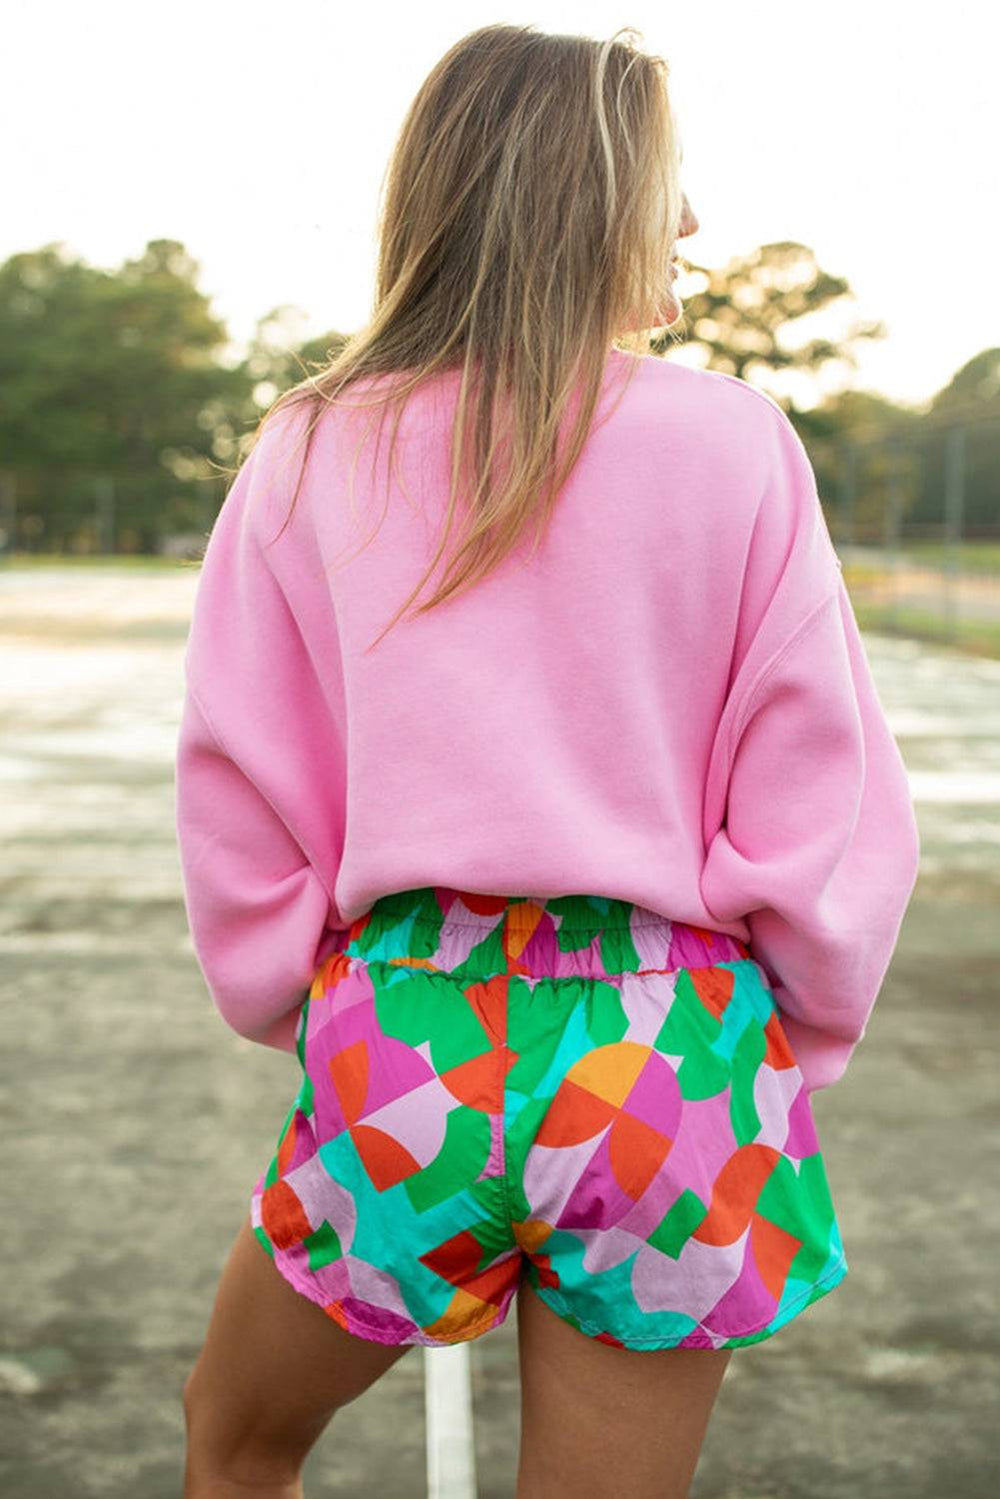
273	1371
599	1422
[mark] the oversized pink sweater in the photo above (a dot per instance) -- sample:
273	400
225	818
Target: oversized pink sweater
670	704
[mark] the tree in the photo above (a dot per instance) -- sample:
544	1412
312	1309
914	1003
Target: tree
111	374
740	314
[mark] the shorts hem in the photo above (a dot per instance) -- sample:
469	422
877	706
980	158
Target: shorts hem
829	1282
358	1327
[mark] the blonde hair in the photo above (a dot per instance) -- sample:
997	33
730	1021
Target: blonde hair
533	202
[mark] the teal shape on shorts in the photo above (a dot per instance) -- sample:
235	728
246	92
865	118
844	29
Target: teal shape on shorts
573	1044
594	1296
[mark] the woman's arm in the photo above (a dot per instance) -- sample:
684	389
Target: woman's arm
819	846
260	774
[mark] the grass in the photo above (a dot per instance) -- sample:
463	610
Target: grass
970	556
978	557
976	636
127	561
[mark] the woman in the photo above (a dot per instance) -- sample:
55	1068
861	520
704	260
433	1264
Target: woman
568	889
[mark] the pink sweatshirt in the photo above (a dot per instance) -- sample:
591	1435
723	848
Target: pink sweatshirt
669	704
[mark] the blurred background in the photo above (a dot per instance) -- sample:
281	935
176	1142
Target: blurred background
190	203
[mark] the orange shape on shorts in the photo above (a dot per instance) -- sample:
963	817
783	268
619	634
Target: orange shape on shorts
774	1248
610	1071
779	1053
456	1258
636	1152
521	925
330	972
476	1082
531	1233
489	1000
286	1145
482	905
735	1192
546	1275
383	1157
573	1115
283	1217
349	1075
714	987
464	1317
490	1284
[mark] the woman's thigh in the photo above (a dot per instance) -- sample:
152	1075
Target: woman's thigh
274	1367
599	1421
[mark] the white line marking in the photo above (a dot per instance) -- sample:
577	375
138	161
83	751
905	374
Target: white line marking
451	1453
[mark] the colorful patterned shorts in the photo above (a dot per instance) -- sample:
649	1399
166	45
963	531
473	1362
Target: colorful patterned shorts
575	1089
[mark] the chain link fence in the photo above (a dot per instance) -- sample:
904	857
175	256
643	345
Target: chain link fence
913	509
915	518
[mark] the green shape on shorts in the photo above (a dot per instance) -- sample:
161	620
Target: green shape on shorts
493	1234
457	1164
578	925
689	1031
678	1224
688	1024
300	1040
423	925
702	1075
748	1054
415	1006
607	1021
801	1205
618	952
261	1236
536	1022
488	955
323	1246
305	1098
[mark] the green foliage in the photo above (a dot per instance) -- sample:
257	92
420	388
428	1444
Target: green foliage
123	415
113	373
741	314
749	318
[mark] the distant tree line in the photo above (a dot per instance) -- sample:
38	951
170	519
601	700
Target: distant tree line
122	409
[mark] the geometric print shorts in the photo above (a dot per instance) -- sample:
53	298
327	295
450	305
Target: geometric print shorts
574	1089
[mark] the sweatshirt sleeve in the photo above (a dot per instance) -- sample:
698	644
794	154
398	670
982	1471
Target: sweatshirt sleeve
819	850
818	847
257	775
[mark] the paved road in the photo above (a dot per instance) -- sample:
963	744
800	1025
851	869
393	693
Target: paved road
136	1122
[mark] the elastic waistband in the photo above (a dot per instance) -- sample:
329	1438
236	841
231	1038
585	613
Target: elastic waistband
458	908
481	935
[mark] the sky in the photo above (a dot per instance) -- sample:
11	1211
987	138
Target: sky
258	134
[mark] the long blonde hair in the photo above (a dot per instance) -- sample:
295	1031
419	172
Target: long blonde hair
533	202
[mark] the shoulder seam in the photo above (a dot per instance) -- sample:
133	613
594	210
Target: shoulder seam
761	395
